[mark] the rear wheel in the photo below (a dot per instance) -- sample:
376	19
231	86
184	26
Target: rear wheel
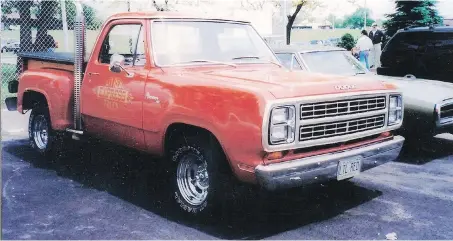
198	183
42	137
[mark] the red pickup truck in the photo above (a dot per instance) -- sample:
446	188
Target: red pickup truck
209	96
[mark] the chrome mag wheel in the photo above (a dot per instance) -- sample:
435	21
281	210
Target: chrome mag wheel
40	132
192	179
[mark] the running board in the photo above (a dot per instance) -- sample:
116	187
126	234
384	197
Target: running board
75	134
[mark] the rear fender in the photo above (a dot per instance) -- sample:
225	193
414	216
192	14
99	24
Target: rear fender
56	86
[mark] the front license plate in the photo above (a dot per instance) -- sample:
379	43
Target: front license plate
348	168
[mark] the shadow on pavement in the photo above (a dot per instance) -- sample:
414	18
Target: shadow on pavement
427	151
253	214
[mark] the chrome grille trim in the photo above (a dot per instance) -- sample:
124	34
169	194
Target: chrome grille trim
342	107
446	111
330	129
298	101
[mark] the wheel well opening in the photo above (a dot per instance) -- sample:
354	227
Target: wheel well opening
33	98
175	130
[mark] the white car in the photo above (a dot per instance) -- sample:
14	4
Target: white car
428	104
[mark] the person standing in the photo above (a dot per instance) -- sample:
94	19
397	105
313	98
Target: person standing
377	37
364	45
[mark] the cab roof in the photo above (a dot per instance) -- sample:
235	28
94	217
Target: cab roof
170	15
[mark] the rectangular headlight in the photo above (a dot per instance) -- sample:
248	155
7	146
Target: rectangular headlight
282	125
395	110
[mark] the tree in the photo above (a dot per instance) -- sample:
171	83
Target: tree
336	22
7	7
339	23
299	4
25	38
356	19
161	7
347	41
253	4
91	20
412	13
47	13
45	10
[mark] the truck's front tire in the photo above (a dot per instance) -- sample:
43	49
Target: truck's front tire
197	180
42	137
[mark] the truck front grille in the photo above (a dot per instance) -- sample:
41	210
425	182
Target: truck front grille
342	107
339	128
446	111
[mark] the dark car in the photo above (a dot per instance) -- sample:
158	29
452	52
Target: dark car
425	52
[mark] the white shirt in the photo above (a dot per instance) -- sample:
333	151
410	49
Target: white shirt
364	43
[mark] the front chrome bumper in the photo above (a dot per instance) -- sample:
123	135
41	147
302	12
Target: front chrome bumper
324	167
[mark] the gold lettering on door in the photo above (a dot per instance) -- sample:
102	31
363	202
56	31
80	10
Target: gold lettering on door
113	93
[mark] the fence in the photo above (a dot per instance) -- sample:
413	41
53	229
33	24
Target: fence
46	25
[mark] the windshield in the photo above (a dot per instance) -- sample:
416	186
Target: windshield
333	62
189	42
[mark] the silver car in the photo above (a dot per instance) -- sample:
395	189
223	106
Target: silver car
10	45
428	104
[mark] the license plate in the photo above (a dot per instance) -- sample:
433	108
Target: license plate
348	168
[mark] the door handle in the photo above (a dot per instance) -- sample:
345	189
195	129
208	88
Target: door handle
93	73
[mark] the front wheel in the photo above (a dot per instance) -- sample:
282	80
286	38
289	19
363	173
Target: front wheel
197	180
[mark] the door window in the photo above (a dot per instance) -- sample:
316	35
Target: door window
126	40
441	40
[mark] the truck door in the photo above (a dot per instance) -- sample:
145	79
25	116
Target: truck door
112	102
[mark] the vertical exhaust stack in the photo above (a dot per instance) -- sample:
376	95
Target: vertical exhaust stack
79	55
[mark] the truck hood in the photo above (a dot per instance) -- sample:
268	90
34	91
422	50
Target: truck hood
282	83
421	89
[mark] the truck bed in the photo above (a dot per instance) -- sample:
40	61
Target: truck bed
59	60
59	57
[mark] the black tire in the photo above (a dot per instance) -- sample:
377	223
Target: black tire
55	140
418	143
202	148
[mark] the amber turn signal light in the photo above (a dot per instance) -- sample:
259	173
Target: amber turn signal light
274	155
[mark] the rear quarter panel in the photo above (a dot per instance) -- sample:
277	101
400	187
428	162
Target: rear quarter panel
56	85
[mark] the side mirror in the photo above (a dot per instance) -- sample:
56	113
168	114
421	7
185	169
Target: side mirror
116	62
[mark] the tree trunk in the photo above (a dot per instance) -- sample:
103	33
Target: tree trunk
47	12
291	19
25	25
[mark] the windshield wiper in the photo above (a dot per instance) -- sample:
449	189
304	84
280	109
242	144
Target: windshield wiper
205	61
257	57
246	57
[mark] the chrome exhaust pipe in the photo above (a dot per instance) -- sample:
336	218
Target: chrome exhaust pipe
79	55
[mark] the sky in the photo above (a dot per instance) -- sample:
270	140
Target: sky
337	7
379	7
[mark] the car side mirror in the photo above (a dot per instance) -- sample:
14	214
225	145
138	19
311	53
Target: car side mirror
116	65
116	62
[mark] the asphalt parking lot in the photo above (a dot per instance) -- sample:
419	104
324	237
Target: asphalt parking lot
106	192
